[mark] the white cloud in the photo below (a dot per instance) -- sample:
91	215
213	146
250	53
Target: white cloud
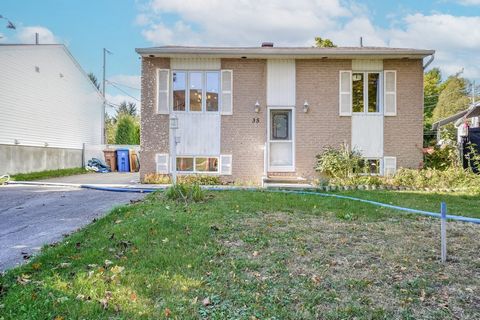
27	35
249	22
469	2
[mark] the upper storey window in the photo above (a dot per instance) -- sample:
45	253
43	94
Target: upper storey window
196	91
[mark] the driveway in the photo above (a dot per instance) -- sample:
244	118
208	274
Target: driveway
32	216
117	178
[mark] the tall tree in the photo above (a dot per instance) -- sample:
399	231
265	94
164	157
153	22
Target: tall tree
94	80
129	108
454	97
324	43
432	87
127	132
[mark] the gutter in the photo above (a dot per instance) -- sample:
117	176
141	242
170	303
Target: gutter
432	57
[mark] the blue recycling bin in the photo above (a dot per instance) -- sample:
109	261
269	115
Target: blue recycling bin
123	161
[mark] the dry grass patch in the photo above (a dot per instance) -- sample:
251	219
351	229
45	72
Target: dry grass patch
384	269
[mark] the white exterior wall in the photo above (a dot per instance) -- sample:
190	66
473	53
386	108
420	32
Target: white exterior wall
199	134
281	82
195	64
57	106
367	135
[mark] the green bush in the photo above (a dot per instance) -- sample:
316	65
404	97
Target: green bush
185	192
201	179
339	163
127	132
441	157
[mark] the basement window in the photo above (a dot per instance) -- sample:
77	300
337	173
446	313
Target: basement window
197	164
370	166
366	92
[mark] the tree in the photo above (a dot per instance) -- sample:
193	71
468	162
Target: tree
127	132
324	43
94	80
129	108
110	129
432	87
454	97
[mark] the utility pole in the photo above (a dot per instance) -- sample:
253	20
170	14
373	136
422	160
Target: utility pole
105	51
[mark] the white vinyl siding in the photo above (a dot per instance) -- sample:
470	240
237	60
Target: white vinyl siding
163	85
226	164
281	82
367	65
390	93
345	93
226	100
162	161
199	133
195	64
367	135
55	107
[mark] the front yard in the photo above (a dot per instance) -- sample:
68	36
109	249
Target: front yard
256	255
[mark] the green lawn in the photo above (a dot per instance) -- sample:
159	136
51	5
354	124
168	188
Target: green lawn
40	175
256	255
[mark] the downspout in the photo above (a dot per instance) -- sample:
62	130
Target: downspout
432	57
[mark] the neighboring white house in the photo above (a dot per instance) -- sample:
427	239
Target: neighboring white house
49	108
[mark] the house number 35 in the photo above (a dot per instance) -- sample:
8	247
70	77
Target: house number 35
256	120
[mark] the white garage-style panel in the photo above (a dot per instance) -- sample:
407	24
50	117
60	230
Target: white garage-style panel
195	64
367	65
281	82
367	135
199	134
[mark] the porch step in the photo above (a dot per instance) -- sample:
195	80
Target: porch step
298	186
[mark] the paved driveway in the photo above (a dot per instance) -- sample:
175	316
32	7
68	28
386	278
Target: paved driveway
118	178
31	216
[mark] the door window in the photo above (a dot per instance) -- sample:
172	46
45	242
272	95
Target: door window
280	125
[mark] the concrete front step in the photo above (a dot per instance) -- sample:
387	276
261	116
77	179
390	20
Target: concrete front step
285	179
287	186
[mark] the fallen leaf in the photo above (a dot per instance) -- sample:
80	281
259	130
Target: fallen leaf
107	263
315	279
23	279
133	296
167	312
117	269
103	303
36	266
165	240
255	253
206	301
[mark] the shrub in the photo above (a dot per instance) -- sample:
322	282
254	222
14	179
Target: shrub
199	179
441	157
155	178
127	132
185	192
339	163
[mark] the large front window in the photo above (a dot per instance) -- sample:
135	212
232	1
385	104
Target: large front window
196	91
366	92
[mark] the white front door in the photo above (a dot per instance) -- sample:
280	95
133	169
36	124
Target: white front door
281	137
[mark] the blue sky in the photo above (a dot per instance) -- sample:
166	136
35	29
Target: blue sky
449	26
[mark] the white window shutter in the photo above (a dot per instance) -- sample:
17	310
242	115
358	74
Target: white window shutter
390	92
345	93
226	164
389	166
227	92
163	90
162	161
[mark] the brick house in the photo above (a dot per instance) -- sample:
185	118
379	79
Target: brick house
248	113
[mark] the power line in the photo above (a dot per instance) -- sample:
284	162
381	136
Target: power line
123	91
123	85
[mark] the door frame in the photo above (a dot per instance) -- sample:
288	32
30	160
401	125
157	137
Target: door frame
280	168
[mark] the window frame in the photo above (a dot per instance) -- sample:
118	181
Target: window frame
204	91
195	171
365	92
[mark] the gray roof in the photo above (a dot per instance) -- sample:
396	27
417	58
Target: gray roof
472	111
294	52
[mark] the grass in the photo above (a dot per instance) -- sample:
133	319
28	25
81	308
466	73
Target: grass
40	175
254	255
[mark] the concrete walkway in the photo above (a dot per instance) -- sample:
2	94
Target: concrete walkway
32	216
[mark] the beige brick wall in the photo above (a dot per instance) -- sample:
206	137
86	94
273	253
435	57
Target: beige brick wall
241	138
403	134
155	129
318	83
